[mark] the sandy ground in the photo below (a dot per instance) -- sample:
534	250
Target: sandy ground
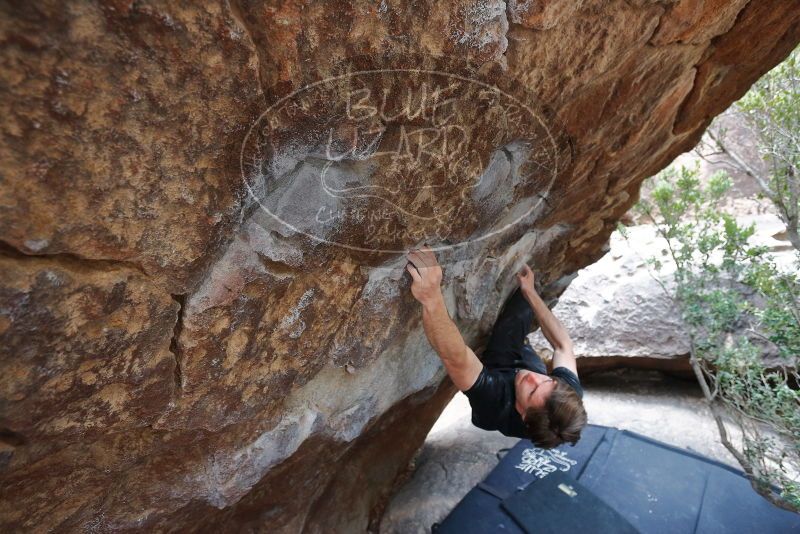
457	455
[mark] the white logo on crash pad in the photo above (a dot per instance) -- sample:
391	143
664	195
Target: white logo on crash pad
543	462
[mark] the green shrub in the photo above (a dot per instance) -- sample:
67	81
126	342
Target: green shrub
737	304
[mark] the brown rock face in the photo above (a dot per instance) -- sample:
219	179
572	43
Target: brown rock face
204	319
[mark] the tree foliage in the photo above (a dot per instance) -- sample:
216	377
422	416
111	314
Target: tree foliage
739	307
771	112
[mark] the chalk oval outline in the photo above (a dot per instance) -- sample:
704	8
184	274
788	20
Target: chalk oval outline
391	70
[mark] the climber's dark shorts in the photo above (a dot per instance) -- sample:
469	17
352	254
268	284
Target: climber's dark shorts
507	347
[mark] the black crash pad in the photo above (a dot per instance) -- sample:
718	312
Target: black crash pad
652	486
558	503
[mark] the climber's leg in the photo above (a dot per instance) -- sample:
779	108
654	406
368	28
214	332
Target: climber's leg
505	346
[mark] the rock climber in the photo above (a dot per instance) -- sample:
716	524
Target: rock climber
510	390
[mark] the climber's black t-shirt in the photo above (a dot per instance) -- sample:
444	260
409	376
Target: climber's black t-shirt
493	399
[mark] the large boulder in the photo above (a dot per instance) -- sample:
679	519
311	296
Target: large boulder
171	359
621	312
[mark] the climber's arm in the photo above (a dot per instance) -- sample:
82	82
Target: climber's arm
553	330
461	364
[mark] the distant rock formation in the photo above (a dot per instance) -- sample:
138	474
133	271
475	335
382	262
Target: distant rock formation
169	360
620	312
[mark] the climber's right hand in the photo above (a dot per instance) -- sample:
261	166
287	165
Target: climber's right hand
426	275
